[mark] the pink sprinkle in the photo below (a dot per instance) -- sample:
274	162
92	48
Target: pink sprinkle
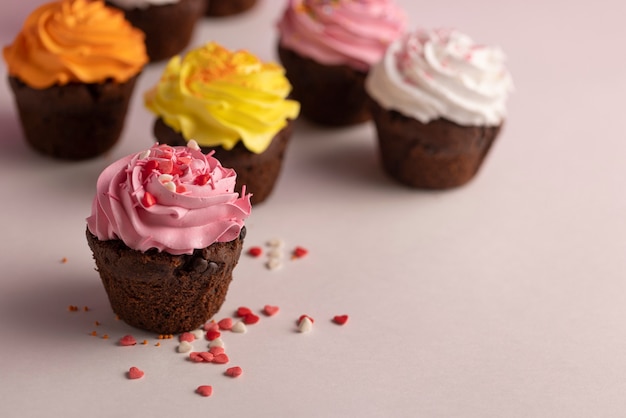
270	310
234	371
340	319
206	356
243	311
221	358
186	336
127	340
135	373
250	319
225	324
204	390
216	350
211	326
212	334
196	357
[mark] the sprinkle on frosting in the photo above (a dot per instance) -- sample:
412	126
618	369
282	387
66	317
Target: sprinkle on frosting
133	204
218	97
442	74
75	41
341	32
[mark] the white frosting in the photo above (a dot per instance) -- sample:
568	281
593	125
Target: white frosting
141	4
442	74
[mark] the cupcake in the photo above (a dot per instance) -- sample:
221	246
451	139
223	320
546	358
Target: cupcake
72	70
221	8
327	49
232	104
168	24
166	230
438	103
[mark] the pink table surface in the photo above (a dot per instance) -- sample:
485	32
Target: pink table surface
504	298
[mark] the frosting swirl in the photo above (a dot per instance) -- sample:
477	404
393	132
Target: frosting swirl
219	97
75	41
341	32
174	199
442	74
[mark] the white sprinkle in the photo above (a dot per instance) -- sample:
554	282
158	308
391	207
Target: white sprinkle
144	154
170	186
218	342
198	333
165	178
239	327
305	325
273	264
184	347
276	243
275	253
193	145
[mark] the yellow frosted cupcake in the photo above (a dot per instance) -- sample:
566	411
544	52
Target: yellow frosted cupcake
229	102
72	69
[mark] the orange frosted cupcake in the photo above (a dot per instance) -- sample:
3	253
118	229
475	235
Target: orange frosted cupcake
72	69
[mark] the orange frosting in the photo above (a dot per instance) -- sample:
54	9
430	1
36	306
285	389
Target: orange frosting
75	41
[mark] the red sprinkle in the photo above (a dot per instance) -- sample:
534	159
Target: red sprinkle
135	373
225	324
305	316
212	335
270	310
127	340
201	179
205	390
255	251
221	358
243	311
149	167
299	252
148	200
233	371
187	336
250	319
340	319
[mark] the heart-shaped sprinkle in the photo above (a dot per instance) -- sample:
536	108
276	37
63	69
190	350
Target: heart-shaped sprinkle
186	336
127	340
205	390
306	316
250	319
239	327
225	324
299	252
184	347
243	311
206	356
198	333
340	319
196	357
212	334
255	251
233	371
305	325
270	310
218	342
211	326
216	350
221	358
135	373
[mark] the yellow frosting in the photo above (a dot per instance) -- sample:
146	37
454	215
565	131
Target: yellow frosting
75	41
219	97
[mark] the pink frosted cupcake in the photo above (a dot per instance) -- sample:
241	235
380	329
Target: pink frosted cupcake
166	230
327	49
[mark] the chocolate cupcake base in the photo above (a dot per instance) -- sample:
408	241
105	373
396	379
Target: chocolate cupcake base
258	172
75	121
221	8
164	293
436	155
168	27
332	95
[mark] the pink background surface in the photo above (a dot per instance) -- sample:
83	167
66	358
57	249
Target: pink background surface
504	298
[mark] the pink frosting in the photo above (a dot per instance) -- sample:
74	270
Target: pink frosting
341	32
174	199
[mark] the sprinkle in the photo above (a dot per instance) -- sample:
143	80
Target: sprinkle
186	336
85	308
211	335
165	178
305	325
225	324
276	243
135	373
218	342
165	336
221	358
127	340
299	252
193	145
270	310
243	311
64	260
234	371
340	319
255	251
197	357
117	317
72	308
180	189
211	326
144	154
216	350
97	323
305	316
157	344
170	186
184	347
148	200
201	179
250	319
204	390
239	327
197	333
93	333
273	264
105	337
275	253
144	342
